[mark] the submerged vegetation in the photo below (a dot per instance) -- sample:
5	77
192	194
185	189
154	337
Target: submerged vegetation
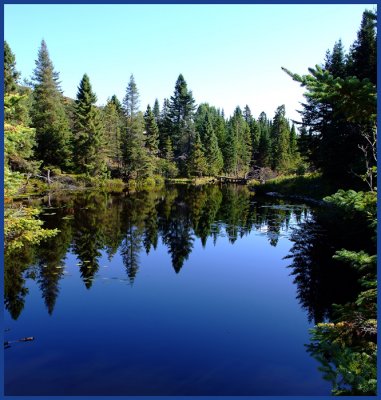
52	142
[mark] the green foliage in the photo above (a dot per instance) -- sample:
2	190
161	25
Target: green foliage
280	140
181	110
166	168
351	371
89	141
48	114
113	125
137	163
340	111
11	75
213	153
354	204
347	347
197	164
151	132
21	227
19	139
238	145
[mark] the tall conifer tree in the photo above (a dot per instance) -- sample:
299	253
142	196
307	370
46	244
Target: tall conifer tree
89	141
11	75
181	112
151	132
48	114
136	162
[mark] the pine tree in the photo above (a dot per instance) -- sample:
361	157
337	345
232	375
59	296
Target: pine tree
151	132
89	141
11	76
197	164
136	162
48	114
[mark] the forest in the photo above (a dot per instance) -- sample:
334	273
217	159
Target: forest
55	142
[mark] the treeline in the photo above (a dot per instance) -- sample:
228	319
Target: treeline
51	132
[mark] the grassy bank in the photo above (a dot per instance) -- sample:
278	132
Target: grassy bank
311	185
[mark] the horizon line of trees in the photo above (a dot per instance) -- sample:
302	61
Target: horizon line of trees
337	135
119	140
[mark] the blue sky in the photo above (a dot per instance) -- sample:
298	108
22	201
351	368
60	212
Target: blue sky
229	54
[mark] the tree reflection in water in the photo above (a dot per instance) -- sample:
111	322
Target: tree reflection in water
90	223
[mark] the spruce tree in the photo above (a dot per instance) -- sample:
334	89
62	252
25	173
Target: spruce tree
151	132
136	162
363	54
156	111
181	112
213	153
168	150
335	62
197	164
89	141
165	127
293	148
11	75
113	125
264	149
238	145
48	114
280	140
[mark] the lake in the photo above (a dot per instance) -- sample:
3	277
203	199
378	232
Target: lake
179	291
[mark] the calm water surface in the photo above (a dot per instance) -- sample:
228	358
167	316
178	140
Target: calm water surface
184	291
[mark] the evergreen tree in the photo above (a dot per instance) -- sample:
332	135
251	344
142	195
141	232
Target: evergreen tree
213	153
197	164
247	114
238	145
280	140
335	62
165	127
89	141
181	113
168	150
136	162
11	76
113	125
151	132
363	54
293	148
156	111
117	104
48	114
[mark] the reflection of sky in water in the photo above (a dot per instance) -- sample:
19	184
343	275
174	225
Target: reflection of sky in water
228	323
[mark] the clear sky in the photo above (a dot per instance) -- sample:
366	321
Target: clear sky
229	54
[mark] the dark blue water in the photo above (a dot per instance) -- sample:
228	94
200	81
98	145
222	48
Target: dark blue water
178	292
